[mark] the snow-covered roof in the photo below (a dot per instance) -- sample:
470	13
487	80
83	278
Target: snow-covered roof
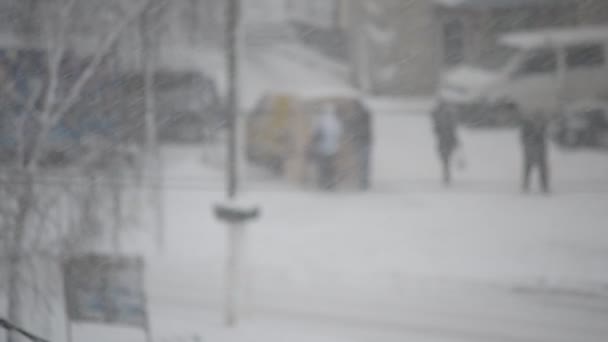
531	39
498	3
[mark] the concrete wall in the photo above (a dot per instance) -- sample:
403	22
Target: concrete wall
413	56
321	14
265	11
417	58
194	24
482	25
593	12
392	46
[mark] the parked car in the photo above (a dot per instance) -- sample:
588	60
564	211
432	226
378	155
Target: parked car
188	105
583	124
529	72
110	106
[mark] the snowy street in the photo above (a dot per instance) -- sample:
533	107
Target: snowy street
417	261
408	260
304	171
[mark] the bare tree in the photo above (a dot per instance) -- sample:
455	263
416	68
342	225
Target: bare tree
34	224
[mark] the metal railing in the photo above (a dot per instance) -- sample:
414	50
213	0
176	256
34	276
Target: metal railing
10	327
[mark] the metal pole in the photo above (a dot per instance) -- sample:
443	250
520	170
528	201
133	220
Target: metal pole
235	230
153	157
117	213
233	270
149	336
69	334
232	32
67	223
10	327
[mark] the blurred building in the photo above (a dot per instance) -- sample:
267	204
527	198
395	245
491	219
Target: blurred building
391	46
468	29
264	11
320	14
401	47
182	24
321	24
593	12
394	47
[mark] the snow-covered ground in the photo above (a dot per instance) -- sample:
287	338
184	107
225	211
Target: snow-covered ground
408	225
407	261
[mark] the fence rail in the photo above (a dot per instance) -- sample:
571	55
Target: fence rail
10	327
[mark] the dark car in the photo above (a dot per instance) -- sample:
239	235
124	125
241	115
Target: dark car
188	105
110	106
583	125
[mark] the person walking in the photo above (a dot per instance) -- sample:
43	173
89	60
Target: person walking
327	138
534	143
362	143
444	127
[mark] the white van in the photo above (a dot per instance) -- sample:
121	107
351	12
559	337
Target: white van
527	72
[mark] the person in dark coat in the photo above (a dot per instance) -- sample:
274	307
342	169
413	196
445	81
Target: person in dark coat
444	126
362	143
534	143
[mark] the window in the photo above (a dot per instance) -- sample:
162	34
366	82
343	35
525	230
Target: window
497	57
540	62
585	56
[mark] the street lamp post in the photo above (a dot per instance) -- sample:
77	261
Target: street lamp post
234	215
233	14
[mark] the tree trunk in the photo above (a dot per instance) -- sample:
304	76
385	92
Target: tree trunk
15	267
15	304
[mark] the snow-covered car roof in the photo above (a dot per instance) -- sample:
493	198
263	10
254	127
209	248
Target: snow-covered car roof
532	39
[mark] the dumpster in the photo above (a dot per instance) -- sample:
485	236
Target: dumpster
279	137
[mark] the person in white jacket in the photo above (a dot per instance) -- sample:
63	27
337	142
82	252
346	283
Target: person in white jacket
327	138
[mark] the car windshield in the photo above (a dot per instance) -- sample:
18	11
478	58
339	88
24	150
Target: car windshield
497	58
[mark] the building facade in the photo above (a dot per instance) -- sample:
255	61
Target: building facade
593	12
401	47
391	46
189	24
320	14
468	29
321	24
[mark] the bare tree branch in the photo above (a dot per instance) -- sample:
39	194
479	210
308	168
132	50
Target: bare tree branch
58	48
109	42
74	92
